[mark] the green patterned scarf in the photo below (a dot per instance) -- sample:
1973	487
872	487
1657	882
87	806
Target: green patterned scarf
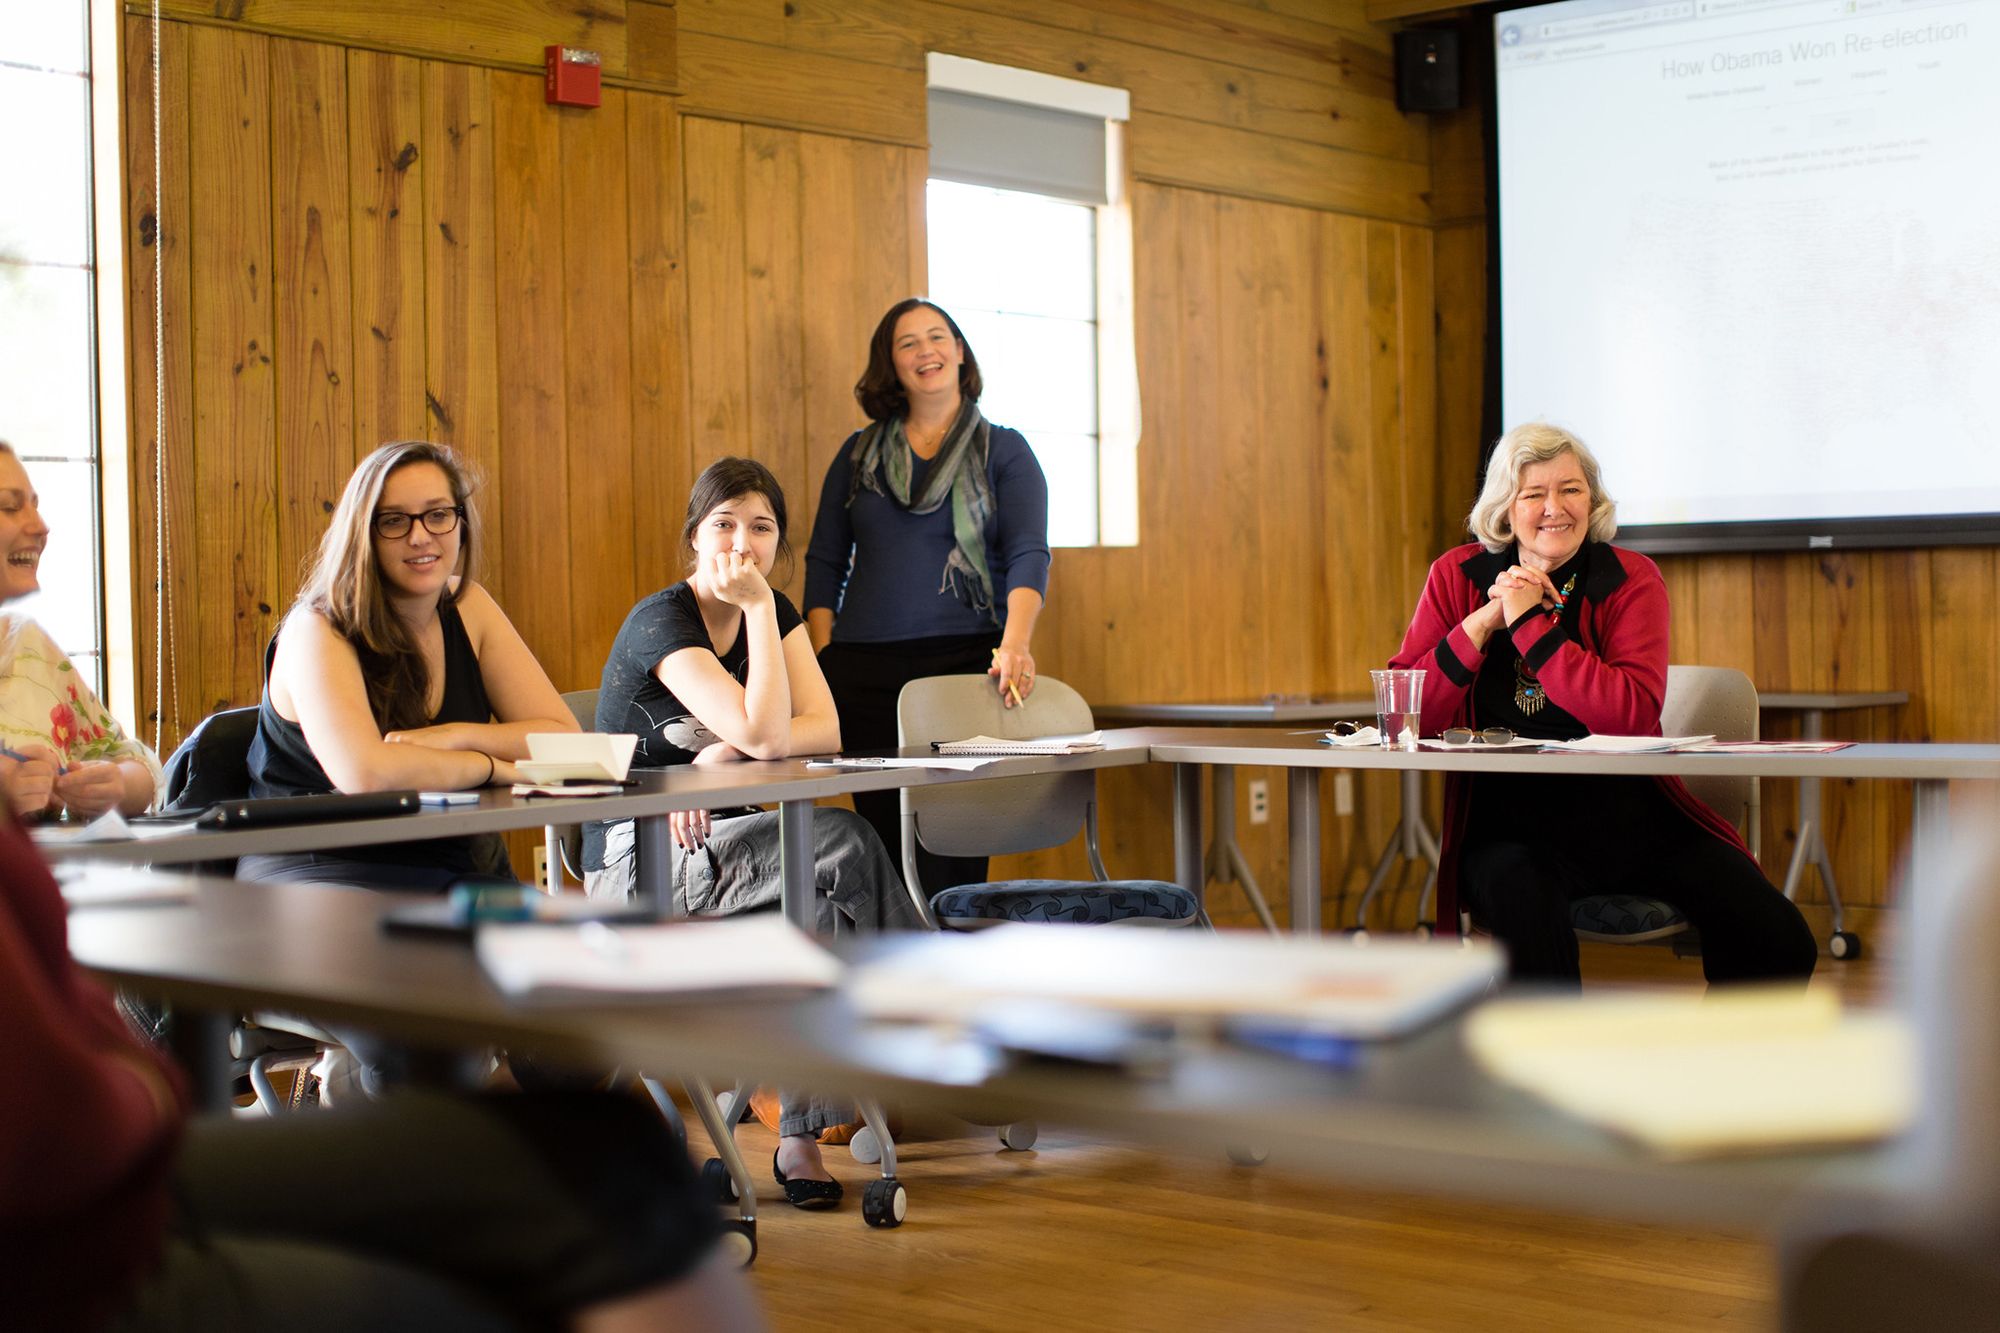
883	461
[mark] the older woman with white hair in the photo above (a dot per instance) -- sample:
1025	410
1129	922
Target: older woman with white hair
1544	628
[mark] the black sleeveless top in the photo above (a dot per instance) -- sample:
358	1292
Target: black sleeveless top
282	764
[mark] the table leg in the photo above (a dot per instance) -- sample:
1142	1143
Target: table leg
1811	846
1188	869
200	1043
1930	843
654	871
1302	814
1224	862
795	861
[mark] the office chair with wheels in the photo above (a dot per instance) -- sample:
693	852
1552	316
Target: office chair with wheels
1700	701
1014	815
211	766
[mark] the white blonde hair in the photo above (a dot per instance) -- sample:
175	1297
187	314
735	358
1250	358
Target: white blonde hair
1492	516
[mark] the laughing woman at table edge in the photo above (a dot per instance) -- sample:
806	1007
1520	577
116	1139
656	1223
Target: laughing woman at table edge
715	669
395	670
930	550
1545	628
67	752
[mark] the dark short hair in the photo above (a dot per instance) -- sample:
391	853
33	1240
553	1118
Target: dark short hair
724	480
879	391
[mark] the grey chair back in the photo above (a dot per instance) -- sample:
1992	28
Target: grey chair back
994	818
583	705
1718	701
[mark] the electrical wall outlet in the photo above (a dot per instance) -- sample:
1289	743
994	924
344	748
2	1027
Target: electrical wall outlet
1260	802
541	864
1343	793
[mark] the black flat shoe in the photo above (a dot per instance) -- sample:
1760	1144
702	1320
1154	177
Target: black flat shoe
807	1193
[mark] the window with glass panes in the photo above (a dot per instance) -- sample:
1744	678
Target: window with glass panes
1018	271
48	396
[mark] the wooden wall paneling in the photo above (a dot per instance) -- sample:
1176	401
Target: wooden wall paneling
835	323
873	32
1682	575
663	466
475	31
1204	669
531	500
229	153
652	45
1435	527
1964	684
385	175
769	85
461	356
161	218
775	285
597	329
1331	43
1460	279
718	337
1322	108
314	339
1727	635
1173	150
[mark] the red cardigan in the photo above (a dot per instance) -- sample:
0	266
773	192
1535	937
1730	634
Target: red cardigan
84	1150
1611	677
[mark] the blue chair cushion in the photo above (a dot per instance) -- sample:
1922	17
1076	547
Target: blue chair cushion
1622	914
1083	902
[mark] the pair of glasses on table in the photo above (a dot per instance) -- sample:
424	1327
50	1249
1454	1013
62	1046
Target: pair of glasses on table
1452	735
1479	736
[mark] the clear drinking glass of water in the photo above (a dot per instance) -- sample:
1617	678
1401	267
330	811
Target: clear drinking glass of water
1398	707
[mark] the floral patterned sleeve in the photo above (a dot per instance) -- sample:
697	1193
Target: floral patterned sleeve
44	700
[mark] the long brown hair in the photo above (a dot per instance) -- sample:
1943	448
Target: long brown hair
879	392
345	582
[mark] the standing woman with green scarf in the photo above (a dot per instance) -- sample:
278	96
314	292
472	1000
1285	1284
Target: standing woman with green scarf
930	551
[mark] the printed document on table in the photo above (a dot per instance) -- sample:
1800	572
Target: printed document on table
672	959
1595	744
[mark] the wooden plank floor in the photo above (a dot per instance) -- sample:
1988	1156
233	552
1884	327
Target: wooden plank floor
1081	1233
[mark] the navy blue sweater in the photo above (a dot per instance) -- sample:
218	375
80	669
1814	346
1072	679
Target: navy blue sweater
880	567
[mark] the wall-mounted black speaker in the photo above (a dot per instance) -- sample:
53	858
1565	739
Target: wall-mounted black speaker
1427	69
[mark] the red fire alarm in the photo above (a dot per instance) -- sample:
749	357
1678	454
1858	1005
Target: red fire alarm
572	76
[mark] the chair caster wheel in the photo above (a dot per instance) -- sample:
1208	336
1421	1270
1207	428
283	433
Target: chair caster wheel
1248	1154
884	1203
865	1146
739	1242
716	1179
1845	945
1019	1136
1359	935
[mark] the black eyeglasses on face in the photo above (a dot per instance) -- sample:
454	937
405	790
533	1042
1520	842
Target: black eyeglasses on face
1484	736
393	523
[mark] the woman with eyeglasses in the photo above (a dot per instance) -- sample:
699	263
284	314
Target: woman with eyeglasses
1543	629
396	670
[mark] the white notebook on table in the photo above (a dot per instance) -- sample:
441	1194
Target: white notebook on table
684	959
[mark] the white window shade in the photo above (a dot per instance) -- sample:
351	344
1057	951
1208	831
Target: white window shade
1013	146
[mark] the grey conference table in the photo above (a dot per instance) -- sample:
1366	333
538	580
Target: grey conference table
1930	767
656	793
1414	1114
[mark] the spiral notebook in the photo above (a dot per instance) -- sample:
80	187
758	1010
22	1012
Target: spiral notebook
1000	745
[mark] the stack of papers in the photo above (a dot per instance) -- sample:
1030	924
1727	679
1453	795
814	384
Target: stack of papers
1688	1074
1595	744
685	959
999	745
